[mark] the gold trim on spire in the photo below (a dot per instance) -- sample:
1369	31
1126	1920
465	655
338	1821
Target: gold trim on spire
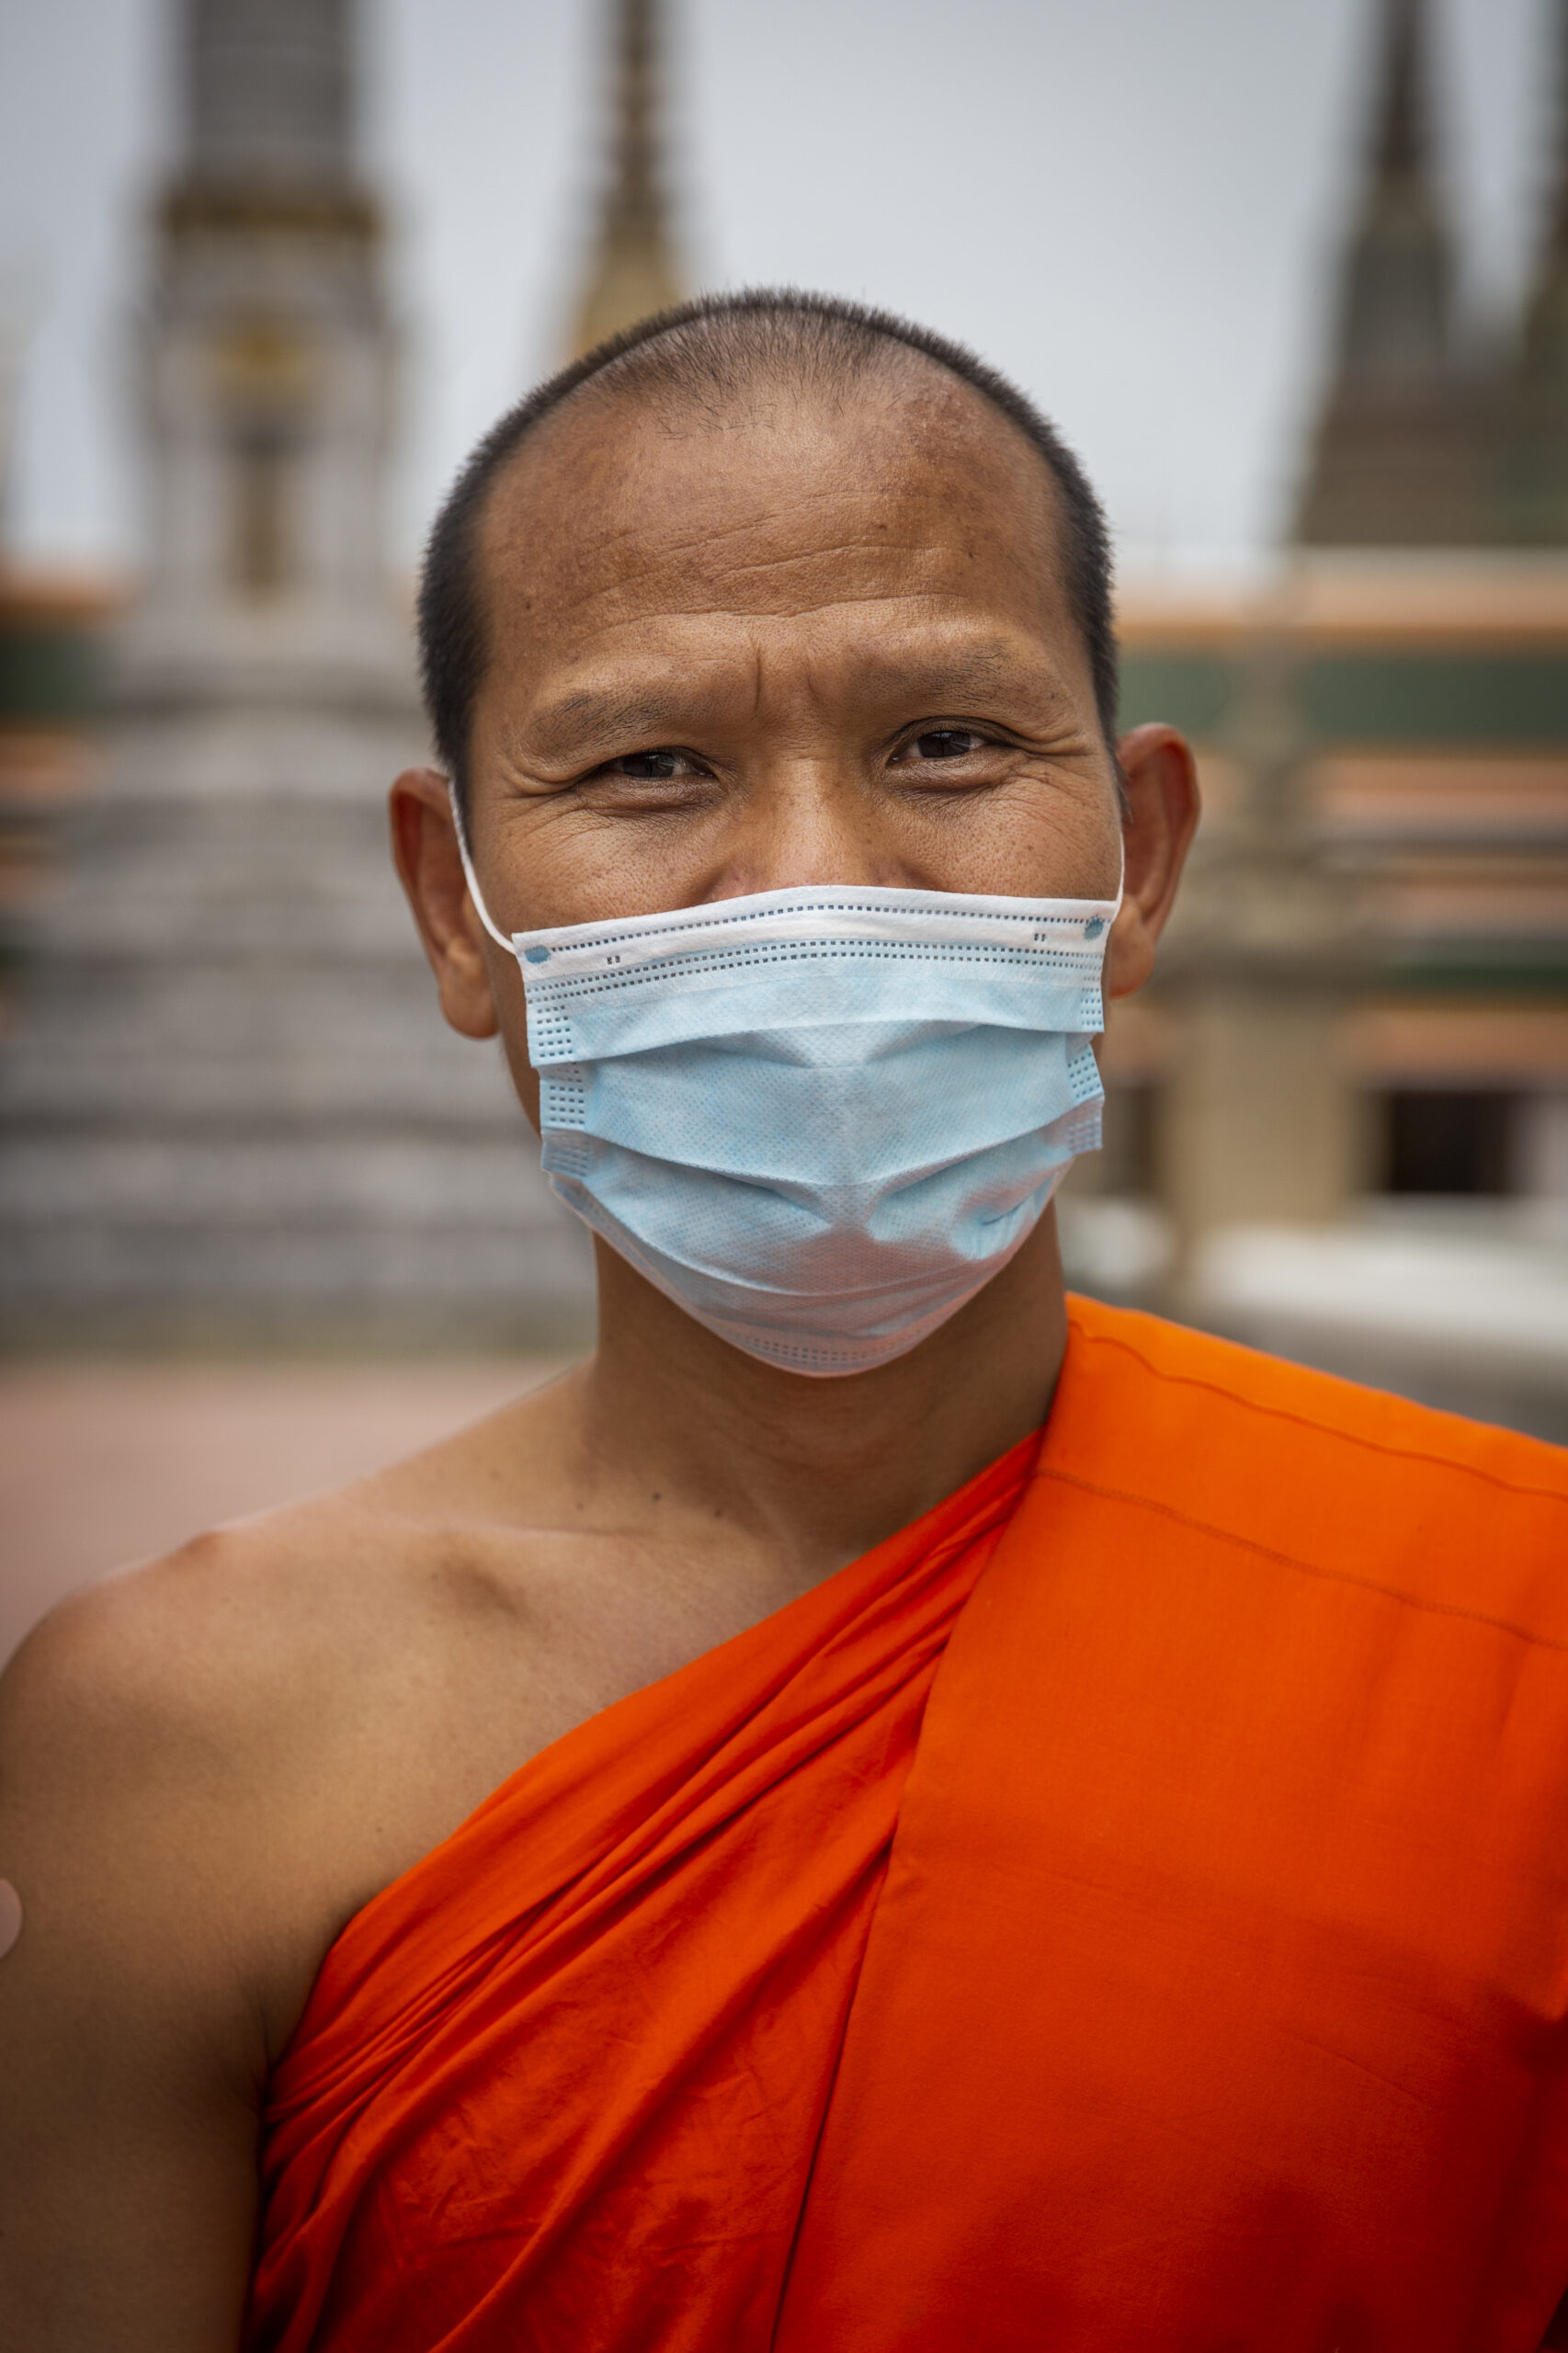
633	269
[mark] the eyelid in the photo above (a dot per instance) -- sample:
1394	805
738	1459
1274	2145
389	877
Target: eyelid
987	732
645	752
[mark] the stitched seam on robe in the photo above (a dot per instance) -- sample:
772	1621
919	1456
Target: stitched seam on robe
1323	1423
1307	1568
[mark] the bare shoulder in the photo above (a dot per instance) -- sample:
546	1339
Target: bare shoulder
227	1751
178	1672
169	1646
207	1765
198	1668
141	1729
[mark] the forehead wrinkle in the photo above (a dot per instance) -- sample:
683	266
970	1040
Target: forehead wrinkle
712	595
585	715
709	590
921	475
587	711
777	515
511	526
706	545
825	556
647	699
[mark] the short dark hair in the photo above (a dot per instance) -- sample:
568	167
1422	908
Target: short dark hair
718	346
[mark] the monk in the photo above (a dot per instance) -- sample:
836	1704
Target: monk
891	1810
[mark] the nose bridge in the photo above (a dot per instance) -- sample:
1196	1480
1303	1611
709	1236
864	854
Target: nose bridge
805	815
805	818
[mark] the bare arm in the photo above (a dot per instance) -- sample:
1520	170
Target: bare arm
129	2051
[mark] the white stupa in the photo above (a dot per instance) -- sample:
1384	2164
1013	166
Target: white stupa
231	1105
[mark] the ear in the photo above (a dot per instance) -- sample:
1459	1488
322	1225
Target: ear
425	850
1163	810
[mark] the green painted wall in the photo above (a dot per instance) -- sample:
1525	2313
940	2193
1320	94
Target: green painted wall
1485	700
1187	690
50	674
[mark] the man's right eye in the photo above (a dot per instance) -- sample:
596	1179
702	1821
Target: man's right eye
662	763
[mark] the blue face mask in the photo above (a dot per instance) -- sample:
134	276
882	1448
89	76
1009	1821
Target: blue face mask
820	1120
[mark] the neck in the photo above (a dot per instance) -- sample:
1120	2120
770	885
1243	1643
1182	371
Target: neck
810	1471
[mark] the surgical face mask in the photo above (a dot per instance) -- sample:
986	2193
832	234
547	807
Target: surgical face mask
819	1119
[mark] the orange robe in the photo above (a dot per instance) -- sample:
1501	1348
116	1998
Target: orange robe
1128	1909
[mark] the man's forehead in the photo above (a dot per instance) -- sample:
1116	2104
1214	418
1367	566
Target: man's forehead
830	477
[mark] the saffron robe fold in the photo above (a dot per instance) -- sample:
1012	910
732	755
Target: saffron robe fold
1129	1908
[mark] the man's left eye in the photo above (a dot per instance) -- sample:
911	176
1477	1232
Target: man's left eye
946	743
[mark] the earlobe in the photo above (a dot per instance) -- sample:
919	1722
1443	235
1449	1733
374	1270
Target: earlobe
429	865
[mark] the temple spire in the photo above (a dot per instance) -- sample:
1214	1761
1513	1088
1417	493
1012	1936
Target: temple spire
1395	457
198	1082
268	89
269	360
632	267
1402	152
1535	455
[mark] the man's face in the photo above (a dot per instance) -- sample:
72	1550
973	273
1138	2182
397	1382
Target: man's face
787	644
792	644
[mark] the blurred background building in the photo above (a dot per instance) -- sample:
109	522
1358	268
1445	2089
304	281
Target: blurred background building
231	1106
1338	1124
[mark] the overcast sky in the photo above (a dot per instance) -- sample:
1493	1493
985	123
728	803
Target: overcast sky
1128	205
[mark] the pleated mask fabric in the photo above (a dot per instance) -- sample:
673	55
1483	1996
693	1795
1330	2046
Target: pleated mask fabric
819	1119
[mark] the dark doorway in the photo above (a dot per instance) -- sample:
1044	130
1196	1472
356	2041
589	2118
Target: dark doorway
1448	1141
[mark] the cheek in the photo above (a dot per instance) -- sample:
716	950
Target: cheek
1042	839
572	865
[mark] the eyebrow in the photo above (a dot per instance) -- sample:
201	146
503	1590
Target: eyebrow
592	716
587	718
975	671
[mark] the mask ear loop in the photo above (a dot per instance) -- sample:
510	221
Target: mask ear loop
460	826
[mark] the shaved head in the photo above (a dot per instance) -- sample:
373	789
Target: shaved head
749	362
